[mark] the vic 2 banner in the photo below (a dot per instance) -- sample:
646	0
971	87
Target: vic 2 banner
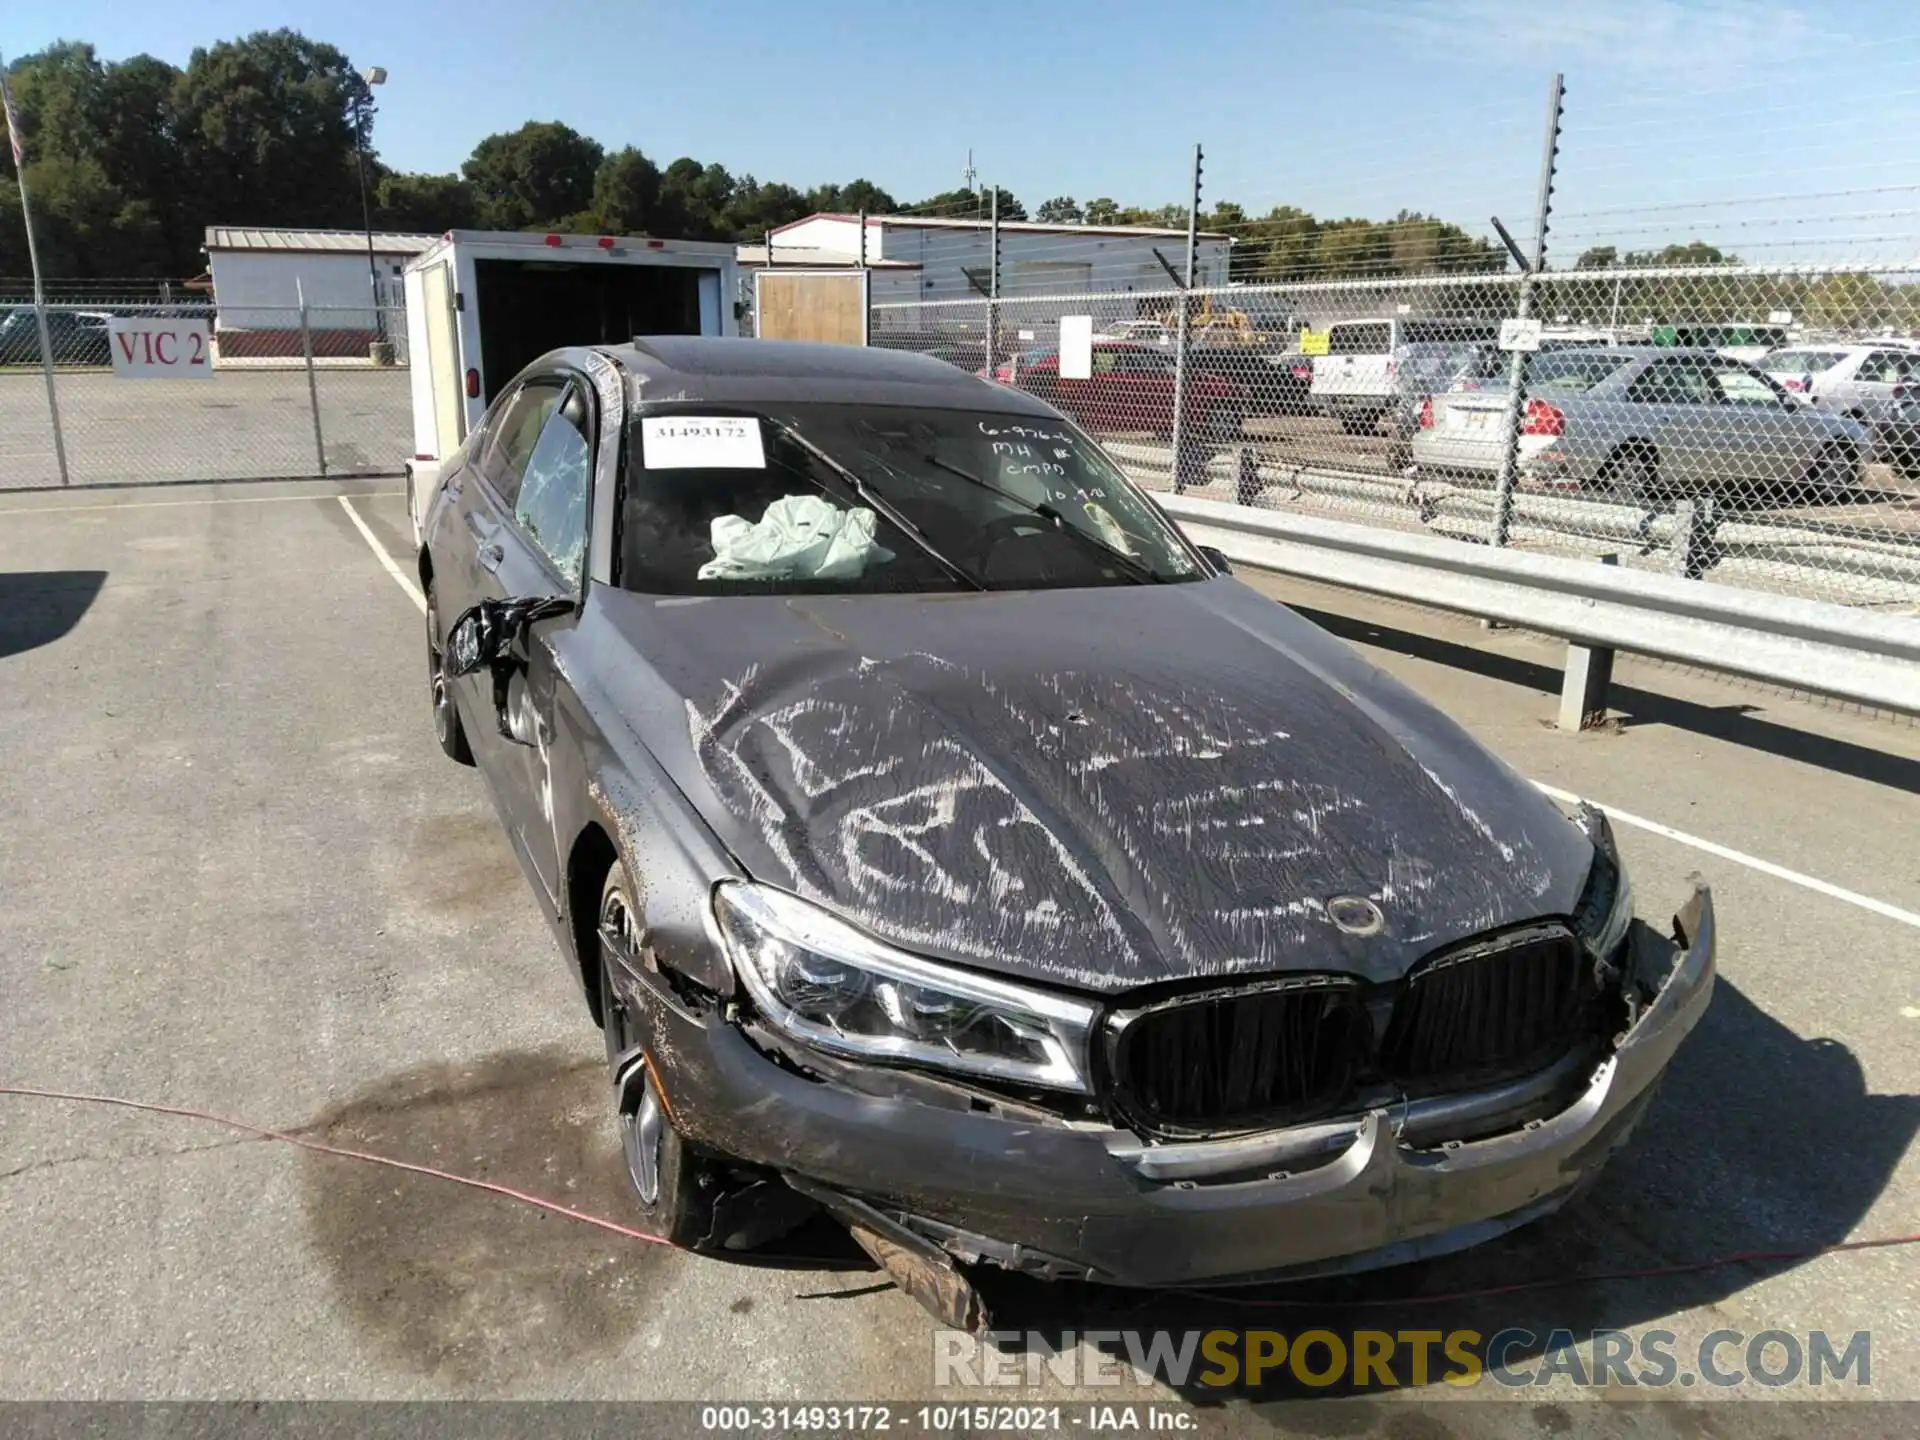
160	348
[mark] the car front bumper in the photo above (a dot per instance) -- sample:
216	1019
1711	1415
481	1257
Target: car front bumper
1087	1199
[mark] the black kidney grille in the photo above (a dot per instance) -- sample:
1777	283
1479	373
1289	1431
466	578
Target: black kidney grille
1500	1006
1253	1057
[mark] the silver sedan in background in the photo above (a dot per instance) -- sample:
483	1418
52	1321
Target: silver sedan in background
1644	422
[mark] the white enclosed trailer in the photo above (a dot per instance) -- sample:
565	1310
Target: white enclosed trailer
484	304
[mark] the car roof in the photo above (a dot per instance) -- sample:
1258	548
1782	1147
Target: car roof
748	372
1644	352
1843	347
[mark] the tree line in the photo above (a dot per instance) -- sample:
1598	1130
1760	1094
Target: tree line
129	161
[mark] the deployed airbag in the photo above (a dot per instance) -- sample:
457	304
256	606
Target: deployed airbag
801	537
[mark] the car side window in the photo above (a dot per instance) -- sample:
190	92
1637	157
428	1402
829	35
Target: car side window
1107	362
1373	338
552	502
1885	367
1744	387
1674	382
514	432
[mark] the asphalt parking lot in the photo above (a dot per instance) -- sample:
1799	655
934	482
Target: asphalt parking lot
238	875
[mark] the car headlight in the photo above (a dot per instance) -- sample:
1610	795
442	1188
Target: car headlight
1606	903
838	989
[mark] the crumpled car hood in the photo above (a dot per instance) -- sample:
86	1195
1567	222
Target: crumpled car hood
1102	789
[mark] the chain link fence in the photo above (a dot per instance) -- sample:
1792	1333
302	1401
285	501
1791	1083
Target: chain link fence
1745	425
287	393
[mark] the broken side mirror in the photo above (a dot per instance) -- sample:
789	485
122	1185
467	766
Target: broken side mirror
472	641
492	636
1216	558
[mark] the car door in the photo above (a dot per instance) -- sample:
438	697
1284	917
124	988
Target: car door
483	492
536	549
1872	387
1679	405
1099	401
1147	377
1770	436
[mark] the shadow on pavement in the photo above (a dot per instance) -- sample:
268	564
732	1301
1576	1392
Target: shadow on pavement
1734	724
1742	1151
38	607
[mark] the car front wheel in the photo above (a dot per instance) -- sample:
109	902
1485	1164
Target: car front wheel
1633	476
447	728
665	1172
1835	469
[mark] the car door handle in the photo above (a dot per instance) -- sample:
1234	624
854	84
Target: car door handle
490	555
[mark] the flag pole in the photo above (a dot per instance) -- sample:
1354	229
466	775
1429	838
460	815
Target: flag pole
33	261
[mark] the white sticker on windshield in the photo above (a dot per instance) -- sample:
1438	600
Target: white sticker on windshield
701	442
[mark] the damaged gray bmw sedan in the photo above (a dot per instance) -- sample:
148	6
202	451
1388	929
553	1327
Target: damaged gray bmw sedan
943	841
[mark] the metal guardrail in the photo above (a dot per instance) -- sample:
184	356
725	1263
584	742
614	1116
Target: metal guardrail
1765	552
1832	649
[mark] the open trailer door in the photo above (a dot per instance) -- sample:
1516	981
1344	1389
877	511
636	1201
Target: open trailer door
826	305
483	305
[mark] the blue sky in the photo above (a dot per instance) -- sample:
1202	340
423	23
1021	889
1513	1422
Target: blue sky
1356	108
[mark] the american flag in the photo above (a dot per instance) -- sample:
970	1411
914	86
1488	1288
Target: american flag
13	123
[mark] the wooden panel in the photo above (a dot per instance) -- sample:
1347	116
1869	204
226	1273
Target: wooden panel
811	305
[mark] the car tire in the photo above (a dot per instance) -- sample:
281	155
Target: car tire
1834	470
1633	476
447	728
666	1174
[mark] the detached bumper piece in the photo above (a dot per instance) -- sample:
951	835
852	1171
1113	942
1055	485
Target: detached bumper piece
1344	1191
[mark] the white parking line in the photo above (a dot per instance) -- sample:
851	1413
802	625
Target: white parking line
1752	862
172	504
387	563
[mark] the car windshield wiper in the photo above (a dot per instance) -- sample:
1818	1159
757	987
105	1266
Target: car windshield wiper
883	507
1133	566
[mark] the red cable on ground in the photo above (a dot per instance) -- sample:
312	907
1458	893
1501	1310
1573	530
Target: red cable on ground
1741	1257
262	1132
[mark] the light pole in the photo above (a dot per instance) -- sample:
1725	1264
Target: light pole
373	75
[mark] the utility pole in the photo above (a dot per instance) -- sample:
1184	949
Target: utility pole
866	285
1529	273
373	75
33	263
993	281
1180	340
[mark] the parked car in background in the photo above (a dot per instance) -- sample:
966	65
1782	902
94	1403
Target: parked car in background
1137	332
1275	384
76	337
1896	433
1356	380
1856	380
1131	389
1426	367
1645	422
